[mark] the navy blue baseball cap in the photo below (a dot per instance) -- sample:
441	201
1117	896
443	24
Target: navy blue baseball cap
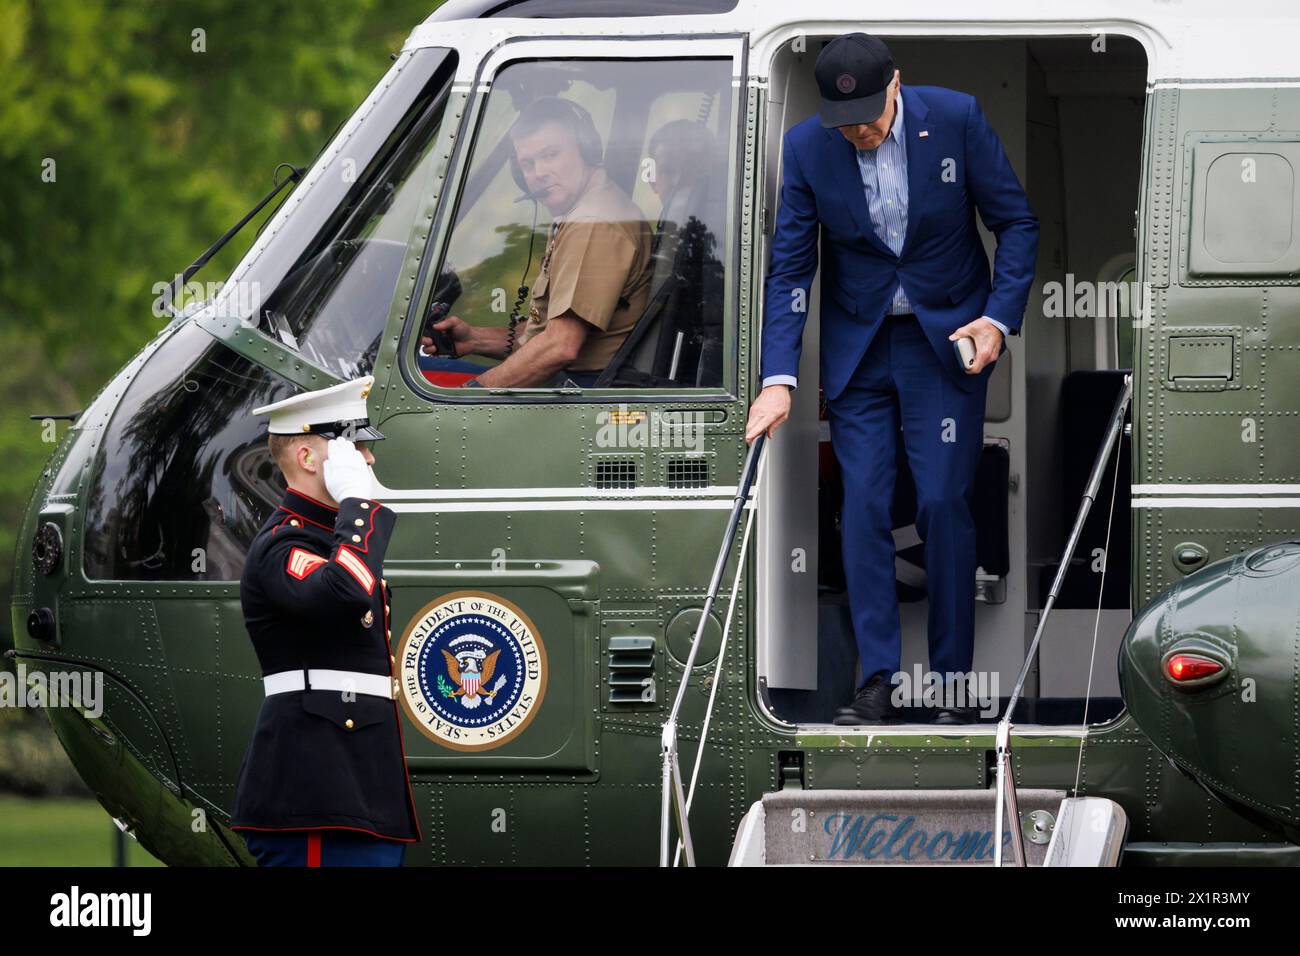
853	73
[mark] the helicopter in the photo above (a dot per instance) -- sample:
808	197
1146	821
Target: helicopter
671	596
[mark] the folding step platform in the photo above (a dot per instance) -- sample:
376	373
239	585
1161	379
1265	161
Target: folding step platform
924	828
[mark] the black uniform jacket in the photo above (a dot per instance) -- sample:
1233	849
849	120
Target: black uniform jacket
313	596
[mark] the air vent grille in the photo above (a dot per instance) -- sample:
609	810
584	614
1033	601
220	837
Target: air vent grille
688	473
632	670
616	473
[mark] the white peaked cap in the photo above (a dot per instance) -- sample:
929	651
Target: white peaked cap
327	412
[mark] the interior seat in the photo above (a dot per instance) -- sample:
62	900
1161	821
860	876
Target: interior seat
677	341
1087	400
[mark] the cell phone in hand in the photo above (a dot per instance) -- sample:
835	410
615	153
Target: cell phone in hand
964	348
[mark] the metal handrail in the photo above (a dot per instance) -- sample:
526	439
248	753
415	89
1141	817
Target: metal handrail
672	798
1006	778
717	666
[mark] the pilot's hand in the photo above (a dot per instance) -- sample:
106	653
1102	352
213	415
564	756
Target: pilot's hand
346	473
988	342
460	332
768	411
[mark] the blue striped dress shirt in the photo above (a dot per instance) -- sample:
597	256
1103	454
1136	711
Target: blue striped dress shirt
884	178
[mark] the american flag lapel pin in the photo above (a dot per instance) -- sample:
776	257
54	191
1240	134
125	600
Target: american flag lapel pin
924	132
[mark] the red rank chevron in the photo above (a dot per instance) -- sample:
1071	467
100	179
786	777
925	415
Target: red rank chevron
302	563
356	567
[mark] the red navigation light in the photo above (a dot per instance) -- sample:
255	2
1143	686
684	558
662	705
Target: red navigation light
1190	667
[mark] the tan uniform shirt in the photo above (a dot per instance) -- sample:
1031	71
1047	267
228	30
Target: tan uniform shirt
597	264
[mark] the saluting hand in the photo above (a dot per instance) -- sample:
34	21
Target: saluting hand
346	473
988	342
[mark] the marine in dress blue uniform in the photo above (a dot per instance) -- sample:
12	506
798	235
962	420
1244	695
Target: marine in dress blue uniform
882	185
324	780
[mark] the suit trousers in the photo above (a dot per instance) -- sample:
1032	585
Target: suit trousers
899	383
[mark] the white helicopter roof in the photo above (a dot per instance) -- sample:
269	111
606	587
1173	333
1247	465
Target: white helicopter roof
1187	42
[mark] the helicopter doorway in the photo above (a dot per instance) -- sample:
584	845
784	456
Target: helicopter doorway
1070	117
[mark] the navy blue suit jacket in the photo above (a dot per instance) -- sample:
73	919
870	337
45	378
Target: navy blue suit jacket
956	167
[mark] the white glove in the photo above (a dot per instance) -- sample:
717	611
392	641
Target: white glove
346	473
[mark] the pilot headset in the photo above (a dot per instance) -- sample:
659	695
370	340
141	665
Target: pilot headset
554	108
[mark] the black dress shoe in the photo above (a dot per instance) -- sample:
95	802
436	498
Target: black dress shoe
862	692
956	715
871	705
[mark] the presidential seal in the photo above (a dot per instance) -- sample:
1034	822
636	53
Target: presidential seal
472	670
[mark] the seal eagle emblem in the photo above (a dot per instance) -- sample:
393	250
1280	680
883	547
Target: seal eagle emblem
472	671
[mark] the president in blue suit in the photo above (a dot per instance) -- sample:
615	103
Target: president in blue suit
888	178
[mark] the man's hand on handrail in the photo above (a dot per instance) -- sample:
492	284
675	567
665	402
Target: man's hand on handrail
768	411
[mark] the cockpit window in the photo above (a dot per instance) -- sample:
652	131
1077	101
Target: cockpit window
183	478
590	245
330	274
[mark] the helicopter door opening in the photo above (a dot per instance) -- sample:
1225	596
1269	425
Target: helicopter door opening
1069	113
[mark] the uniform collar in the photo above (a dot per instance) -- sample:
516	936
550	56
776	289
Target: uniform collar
308	508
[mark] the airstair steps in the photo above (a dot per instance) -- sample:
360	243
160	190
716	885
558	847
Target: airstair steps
795	827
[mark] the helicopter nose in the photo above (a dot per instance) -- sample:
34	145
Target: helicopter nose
1191	654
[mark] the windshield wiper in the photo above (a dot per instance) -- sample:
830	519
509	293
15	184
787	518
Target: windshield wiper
295	174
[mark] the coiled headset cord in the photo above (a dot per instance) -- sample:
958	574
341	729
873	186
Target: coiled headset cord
522	292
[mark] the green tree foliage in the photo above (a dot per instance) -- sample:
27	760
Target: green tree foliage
132	134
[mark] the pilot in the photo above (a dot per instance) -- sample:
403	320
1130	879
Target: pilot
594	278
324	780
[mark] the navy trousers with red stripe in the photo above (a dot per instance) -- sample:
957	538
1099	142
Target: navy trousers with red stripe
322	848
